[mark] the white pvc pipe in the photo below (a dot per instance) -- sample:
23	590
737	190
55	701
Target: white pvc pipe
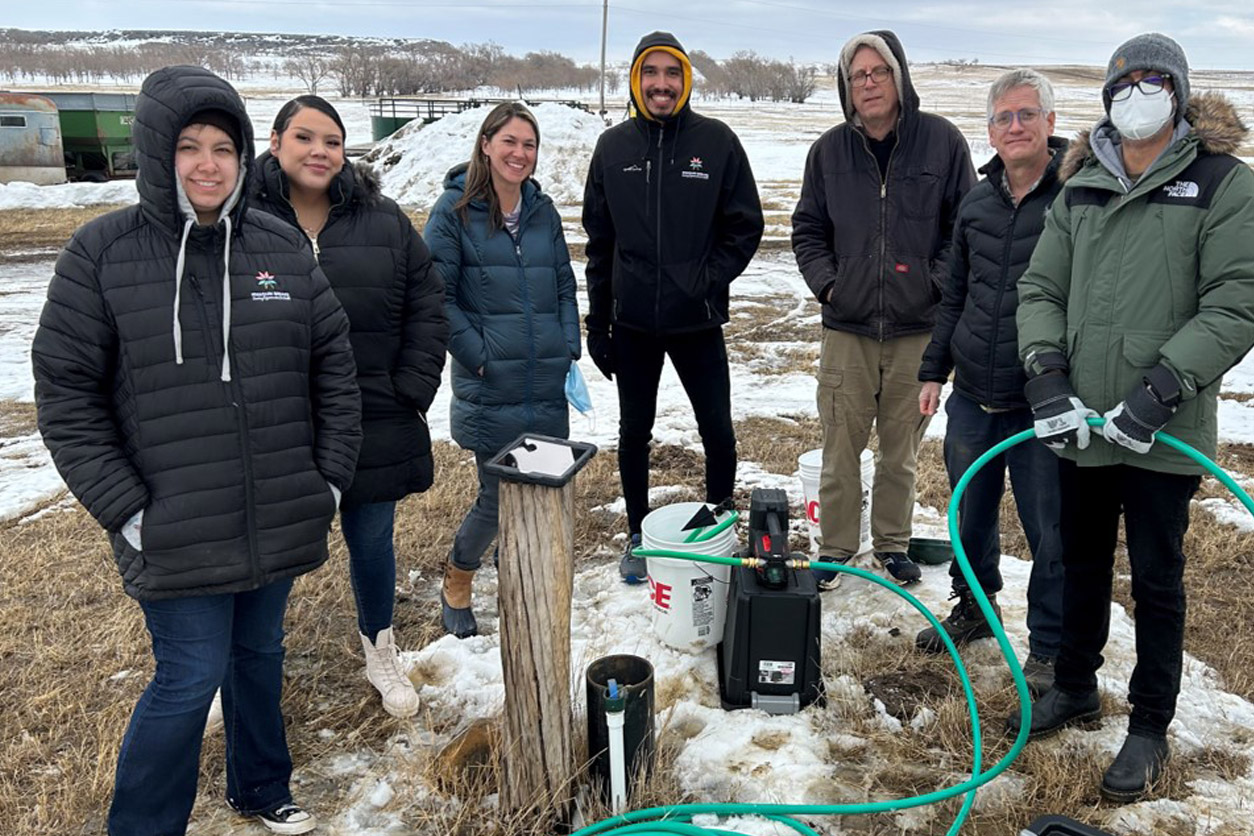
618	769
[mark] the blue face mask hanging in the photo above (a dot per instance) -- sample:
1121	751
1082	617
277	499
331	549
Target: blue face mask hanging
577	390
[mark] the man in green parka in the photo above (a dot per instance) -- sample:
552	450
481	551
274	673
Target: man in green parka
1139	296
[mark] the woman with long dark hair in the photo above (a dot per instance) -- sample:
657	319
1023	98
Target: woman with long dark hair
381	272
194	382
514	326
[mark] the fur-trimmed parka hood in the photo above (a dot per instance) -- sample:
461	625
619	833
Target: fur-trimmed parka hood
1214	121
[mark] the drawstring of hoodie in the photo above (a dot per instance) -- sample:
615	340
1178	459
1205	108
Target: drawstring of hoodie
178	291
226	303
226	297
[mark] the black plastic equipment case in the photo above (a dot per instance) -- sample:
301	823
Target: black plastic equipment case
1060	826
769	656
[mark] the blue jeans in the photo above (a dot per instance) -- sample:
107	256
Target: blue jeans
481	523
1034	481
200	644
371	563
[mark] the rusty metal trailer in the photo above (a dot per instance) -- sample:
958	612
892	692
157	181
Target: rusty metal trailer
30	140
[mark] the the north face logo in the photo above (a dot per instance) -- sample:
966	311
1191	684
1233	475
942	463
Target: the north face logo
1182	189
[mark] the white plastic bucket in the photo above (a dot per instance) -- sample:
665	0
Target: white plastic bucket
689	598
810	467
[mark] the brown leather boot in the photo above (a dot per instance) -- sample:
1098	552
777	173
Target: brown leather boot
455	612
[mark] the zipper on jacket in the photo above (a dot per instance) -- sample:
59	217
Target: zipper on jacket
883	314
531	326
657	236
236	393
1007	244
202	310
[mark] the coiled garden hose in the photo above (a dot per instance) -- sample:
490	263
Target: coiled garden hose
677	819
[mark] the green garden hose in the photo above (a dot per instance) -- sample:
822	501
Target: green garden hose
676	820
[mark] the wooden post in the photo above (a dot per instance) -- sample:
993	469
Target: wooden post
536	583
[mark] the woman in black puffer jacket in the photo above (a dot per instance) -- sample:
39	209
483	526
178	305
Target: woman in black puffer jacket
195	385
381	272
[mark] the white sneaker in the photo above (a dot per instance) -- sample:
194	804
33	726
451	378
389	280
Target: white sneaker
214	722
384	670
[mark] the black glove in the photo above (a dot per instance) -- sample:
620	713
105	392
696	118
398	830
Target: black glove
601	350
1061	417
1145	411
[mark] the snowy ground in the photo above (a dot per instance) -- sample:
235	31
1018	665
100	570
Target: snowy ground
610	617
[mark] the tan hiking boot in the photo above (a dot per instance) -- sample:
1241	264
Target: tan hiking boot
455	612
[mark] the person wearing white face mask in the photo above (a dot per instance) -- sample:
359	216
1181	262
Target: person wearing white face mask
1139	296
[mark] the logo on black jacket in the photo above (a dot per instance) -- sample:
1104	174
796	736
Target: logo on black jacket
694	172
268	293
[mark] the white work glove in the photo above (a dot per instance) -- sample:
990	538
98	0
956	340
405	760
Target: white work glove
1061	418
335	492
1133	422
133	530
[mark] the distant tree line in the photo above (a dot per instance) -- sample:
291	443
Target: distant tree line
75	65
747	75
434	67
366	67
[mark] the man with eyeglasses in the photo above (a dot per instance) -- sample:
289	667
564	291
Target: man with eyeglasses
1139	296
975	338
871	235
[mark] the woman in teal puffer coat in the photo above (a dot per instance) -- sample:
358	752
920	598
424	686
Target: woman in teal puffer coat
514	325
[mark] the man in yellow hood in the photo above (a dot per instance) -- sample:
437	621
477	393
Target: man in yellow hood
672	215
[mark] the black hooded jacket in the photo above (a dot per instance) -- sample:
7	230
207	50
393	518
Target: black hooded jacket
381	272
976	336
672	215
224	423
880	245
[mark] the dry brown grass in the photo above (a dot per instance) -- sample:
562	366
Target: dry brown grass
25	229
34	229
74	657
16	418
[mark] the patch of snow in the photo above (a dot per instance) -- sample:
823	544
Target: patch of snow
414	160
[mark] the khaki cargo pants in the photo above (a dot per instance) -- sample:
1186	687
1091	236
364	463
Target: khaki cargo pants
863	381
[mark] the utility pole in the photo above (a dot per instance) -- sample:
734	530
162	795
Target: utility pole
605	17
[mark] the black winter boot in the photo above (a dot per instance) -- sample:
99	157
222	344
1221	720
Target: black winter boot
965	623
1139	763
1055	711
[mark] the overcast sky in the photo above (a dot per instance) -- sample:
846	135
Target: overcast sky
1216	34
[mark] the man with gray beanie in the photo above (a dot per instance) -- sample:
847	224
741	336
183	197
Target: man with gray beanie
871	233
1139	296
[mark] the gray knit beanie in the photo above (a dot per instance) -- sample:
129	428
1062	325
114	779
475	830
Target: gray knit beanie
1151	51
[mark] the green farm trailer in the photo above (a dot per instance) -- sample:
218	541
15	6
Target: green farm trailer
96	134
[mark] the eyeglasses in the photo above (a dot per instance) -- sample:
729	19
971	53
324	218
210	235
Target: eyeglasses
1151	85
879	75
1027	117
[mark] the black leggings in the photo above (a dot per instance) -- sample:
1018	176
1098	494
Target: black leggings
700	360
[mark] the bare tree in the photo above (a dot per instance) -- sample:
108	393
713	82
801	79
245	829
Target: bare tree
310	68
